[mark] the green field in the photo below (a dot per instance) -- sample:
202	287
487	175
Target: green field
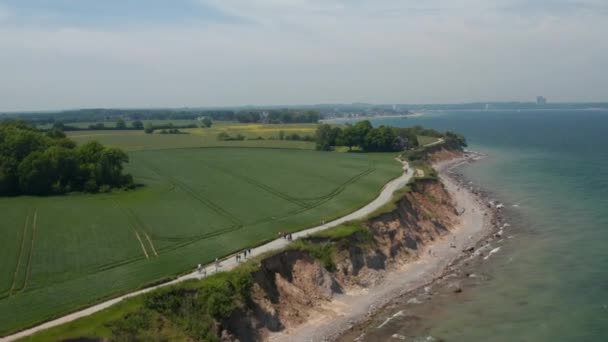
66	252
426	140
202	137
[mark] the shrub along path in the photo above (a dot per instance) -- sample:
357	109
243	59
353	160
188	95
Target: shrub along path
229	263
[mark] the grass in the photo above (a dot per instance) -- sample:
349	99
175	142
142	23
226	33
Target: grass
197	204
426	140
94	326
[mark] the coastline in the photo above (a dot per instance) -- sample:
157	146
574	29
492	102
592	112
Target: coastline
412	115
348	312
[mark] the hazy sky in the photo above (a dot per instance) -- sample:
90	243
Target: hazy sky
148	53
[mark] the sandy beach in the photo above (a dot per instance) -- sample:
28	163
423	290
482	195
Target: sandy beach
356	306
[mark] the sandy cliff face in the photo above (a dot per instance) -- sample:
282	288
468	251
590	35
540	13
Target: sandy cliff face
290	287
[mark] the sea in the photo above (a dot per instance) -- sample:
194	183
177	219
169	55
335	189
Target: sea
548	281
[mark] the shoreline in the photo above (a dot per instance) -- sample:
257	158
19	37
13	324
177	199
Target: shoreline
405	116
349	311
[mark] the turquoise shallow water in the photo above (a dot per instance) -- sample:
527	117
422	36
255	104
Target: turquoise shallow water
549	282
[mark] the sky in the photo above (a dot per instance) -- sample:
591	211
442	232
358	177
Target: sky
64	54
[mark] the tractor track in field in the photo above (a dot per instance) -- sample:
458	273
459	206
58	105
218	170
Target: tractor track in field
22	249
138	226
342	186
329	197
263	186
151	244
142	244
182	242
208	203
29	259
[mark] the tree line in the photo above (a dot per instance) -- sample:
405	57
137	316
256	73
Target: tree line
272	116
284	116
380	139
45	163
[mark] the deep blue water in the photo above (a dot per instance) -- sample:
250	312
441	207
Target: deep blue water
549	282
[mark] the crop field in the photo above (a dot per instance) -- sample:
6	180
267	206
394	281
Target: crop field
202	137
63	253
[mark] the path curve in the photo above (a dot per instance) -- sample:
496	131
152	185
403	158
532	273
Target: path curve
229	263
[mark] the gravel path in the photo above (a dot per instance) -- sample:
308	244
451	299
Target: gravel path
230	262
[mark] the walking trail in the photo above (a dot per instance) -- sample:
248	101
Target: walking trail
230	262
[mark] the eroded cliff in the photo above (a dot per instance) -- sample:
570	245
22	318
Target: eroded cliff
291	286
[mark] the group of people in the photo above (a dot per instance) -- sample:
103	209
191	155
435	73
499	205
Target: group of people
240	256
286	236
243	255
202	270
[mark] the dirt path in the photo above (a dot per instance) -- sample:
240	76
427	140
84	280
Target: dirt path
229	263
355	306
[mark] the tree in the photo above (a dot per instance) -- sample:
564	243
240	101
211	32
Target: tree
325	137
37	163
137	124
223	136
9	180
120	124
207	122
379	139
361	129
55	133
281	135
149	128
64	162
348	137
108	169
37	174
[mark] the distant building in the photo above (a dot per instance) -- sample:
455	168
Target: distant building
541	100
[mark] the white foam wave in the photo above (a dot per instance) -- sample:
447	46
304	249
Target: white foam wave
495	250
398	314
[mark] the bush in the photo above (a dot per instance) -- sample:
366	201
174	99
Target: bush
105	188
149	128
91	186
